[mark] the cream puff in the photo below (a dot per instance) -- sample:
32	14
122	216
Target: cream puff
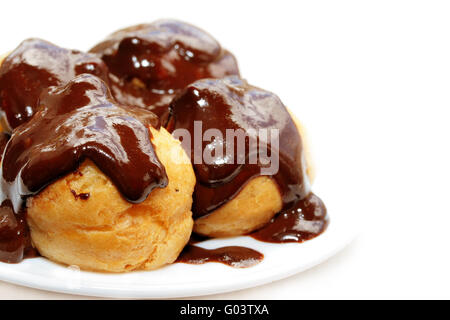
237	191
150	63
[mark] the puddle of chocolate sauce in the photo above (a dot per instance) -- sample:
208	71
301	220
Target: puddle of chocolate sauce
305	220
233	256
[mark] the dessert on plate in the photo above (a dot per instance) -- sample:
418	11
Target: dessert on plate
233	194
122	158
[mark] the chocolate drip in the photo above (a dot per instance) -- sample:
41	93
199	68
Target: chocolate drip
15	240
304	220
233	104
150	63
36	65
74	122
238	257
82	196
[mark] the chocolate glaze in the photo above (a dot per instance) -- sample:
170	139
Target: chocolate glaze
148	66
304	220
74	122
238	257
233	104
3	141
35	65
197	238
150	63
15	240
81	196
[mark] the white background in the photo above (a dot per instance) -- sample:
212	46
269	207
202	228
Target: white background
371	82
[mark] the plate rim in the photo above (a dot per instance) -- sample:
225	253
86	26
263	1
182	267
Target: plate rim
184	291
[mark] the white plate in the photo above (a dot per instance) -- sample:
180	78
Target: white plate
183	280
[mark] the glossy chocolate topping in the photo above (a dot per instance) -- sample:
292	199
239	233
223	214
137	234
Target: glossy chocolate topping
304	220
233	104
150	63
234	256
35	65
74	122
62	106
15	240
77	121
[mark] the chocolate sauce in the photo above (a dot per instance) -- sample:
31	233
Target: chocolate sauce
3	141
61	115
197	238
231	103
304	220
36	65
74	122
81	196
238	257
14	235
150	63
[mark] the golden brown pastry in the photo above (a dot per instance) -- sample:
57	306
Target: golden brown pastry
251	209
83	219
231	197
103	231
255	205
